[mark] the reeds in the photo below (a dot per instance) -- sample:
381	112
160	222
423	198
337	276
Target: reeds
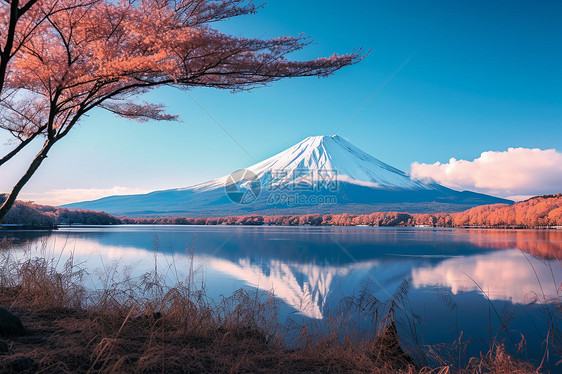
146	326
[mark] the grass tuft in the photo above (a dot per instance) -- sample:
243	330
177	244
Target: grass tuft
147	326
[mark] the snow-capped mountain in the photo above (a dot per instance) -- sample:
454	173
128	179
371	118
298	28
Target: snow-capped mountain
321	174
325	157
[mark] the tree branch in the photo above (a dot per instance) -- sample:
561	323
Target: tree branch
20	146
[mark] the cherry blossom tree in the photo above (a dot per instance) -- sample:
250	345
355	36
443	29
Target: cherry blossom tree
68	57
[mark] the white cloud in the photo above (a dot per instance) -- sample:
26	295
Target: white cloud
70	195
519	278
517	173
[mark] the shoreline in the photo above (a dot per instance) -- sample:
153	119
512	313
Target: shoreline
542	212
12	228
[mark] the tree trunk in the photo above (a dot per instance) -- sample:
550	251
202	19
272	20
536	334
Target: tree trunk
26	177
6	53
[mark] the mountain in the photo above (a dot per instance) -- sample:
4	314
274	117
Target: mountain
321	174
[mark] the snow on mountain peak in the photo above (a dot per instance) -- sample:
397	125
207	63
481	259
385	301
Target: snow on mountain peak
329	167
334	157
330	157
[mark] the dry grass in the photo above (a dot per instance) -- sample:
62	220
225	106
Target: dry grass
148	327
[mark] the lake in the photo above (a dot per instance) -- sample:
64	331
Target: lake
488	285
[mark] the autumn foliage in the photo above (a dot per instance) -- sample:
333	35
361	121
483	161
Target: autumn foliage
535	212
543	211
538	211
44	216
60	59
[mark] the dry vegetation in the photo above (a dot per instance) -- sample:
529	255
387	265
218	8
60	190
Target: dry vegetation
145	326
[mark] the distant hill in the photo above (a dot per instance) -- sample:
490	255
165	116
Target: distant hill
538	211
44	216
319	175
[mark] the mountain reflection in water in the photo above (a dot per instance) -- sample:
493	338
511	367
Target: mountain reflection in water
309	269
454	274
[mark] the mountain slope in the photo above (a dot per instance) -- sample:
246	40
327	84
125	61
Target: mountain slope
324	156
321	174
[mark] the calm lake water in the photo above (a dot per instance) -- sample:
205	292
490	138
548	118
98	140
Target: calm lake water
460	281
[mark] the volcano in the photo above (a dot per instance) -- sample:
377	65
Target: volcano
321	174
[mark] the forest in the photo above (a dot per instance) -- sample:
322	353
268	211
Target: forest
540	211
29	215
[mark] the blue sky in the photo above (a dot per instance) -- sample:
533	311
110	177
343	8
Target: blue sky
482	76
